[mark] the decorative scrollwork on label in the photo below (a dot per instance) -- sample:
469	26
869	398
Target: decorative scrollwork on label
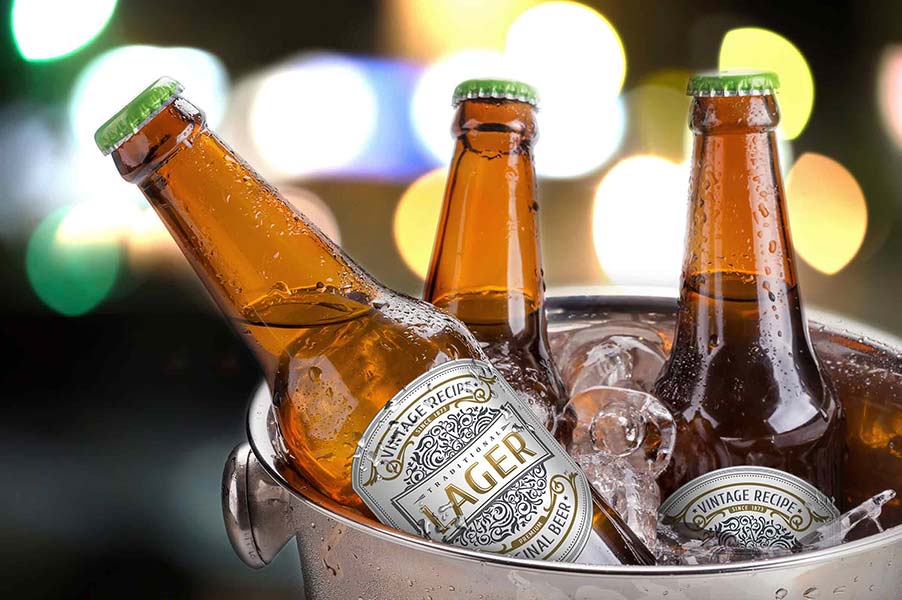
443	441
507	515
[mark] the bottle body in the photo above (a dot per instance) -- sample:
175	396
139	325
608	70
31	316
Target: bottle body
338	349
750	401
486	264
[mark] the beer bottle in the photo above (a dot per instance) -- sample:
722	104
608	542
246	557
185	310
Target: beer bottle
383	402
486	267
759	430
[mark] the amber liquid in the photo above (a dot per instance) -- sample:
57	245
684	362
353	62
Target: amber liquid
514	339
745	386
486	265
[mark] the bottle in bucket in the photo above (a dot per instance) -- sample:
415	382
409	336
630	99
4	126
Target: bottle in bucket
383	402
486	265
759	430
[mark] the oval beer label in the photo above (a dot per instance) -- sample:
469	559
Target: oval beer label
457	457
749	506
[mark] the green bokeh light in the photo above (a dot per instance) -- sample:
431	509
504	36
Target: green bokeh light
71	277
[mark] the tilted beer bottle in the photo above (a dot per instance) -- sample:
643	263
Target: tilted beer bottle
383	401
486	267
759	436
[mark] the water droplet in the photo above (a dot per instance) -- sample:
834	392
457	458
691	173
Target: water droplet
839	590
780	594
763	210
772	246
811	593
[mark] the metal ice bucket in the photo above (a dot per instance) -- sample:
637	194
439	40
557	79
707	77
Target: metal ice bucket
346	557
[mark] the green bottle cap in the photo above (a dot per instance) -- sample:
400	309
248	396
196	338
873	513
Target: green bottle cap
136	113
503	89
733	83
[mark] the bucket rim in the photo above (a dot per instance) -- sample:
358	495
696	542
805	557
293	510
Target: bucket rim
260	424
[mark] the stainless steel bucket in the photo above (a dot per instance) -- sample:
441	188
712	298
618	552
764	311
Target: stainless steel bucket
346	557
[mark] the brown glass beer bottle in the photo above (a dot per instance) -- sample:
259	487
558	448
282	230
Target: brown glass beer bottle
383	402
759	435
486	265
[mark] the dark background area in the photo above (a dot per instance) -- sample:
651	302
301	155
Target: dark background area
119	419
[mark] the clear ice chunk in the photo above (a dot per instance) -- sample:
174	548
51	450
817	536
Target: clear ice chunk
624	354
622	439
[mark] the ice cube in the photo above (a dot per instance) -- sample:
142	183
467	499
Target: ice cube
622	439
617	353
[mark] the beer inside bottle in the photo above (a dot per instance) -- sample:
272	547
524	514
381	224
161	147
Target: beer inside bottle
486	264
384	403
759	435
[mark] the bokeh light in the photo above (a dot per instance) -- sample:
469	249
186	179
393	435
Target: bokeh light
755	48
638	222
427	29
150	246
51	29
431	110
71	273
314	116
106	84
658	121
112	79
575	58
827	212
889	91
416	220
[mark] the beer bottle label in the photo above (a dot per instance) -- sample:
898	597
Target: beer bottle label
457	457
752	507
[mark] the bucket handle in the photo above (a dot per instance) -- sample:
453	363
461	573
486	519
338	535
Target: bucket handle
256	510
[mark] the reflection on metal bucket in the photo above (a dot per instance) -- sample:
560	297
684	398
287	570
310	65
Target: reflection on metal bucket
344	555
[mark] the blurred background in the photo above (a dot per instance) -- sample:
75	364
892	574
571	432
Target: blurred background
125	390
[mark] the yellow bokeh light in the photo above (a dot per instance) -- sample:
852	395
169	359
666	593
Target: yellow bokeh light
416	219
638	222
658	121
754	48
428	29
827	212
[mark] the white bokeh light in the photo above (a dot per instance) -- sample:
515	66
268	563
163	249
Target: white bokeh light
576	138
49	29
638	222
313	116
575	58
431	109
108	83
112	79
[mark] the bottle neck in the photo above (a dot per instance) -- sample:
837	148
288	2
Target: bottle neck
739	273
262	261
486	266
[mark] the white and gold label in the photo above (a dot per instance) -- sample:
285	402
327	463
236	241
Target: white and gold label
457	457
752	507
